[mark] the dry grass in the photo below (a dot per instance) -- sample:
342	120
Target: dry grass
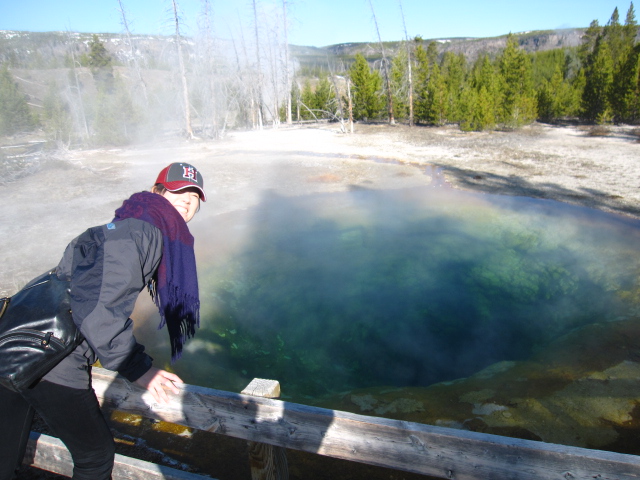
599	131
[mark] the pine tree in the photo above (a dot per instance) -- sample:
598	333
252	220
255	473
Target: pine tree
486	83
577	92
625	76
295	101
476	110
116	121
630	26
485	118
399	85
625	89
100	64
589	41
421	83
454	73
571	65
549	103
323	99
468	106
519	103
634	93
56	116
432	53
554	72
429	86
545	63
599	79
366	85
613	32
437	104
307	100
14	111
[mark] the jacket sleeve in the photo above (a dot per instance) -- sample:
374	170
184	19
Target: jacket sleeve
111	264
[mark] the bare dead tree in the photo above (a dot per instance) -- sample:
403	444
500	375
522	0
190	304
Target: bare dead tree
132	54
340	112
297	98
209	60
336	92
286	63
350	103
273	57
408	44
385	67
240	96
183	73
245	94
207	84
258	66
82	115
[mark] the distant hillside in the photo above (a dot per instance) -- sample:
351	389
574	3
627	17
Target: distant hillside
470	47
54	49
41	50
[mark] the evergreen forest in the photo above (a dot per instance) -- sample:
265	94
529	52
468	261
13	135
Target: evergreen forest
99	90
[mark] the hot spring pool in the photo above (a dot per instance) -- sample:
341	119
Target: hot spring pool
332	292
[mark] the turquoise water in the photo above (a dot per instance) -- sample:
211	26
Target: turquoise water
331	292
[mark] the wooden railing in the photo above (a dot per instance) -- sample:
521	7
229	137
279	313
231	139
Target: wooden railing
49	453
407	446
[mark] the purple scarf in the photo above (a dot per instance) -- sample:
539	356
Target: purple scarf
174	288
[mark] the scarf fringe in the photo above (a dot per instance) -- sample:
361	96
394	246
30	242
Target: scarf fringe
177	306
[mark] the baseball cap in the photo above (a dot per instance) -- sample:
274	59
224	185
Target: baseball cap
179	176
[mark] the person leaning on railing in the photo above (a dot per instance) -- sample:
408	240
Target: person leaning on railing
148	244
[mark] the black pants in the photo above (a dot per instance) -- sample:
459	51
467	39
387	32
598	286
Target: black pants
73	415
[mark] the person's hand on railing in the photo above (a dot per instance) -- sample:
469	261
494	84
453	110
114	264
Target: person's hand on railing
156	381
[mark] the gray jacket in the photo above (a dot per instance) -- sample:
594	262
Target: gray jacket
108	266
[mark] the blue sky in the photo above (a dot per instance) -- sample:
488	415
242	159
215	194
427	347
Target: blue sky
318	22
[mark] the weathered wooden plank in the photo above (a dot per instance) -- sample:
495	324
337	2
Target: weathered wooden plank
260	387
413	447
267	462
49	453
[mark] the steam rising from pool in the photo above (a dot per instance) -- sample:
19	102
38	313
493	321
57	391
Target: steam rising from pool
331	292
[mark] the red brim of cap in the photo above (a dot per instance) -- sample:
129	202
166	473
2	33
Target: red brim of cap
177	186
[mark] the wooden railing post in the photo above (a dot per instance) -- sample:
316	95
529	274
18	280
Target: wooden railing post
267	462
